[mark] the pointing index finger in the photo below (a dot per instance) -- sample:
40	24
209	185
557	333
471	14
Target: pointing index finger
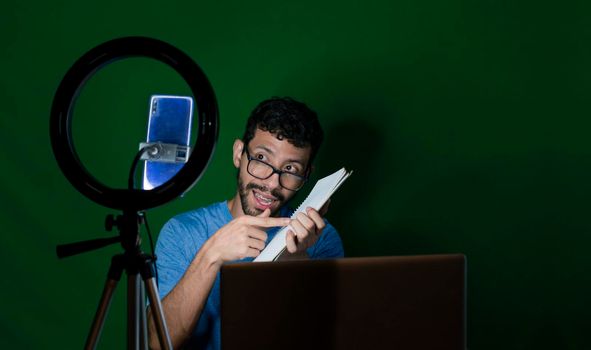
269	222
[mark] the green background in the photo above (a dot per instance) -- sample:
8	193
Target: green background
465	122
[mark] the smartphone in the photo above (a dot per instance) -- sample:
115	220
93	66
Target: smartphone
169	122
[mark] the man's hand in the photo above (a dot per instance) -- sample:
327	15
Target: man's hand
242	237
305	230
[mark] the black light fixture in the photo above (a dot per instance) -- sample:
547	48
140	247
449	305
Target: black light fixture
61	121
131	201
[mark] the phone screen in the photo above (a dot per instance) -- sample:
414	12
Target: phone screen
169	121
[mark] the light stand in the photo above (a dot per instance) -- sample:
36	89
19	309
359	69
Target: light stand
131	201
136	265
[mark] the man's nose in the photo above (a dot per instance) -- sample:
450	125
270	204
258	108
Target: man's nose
272	182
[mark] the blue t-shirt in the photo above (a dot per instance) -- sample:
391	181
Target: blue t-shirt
183	236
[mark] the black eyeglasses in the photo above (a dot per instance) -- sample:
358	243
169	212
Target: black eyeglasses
263	170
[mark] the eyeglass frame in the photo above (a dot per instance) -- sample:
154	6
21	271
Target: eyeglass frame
275	171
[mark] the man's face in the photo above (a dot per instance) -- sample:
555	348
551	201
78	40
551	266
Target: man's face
256	195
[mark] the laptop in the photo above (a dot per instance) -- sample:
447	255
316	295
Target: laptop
402	302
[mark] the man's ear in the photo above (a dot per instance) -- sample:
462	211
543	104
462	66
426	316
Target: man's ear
237	150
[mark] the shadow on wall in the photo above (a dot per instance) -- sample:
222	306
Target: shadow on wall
358	146
365	209
359	102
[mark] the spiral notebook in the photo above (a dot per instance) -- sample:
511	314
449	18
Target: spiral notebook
321	192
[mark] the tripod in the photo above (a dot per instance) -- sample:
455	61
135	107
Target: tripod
136	264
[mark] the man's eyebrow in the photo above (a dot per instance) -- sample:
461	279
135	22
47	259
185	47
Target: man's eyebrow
271	152
265	148
299	161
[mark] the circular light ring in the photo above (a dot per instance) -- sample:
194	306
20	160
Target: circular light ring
61	121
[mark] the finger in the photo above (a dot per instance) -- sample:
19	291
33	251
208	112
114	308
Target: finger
265	214
252	253
299	230
307	222
317	218
290	242
267	222
257	234
256	244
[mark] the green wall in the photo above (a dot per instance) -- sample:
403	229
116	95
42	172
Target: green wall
466	123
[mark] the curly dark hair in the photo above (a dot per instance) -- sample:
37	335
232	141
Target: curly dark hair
286	118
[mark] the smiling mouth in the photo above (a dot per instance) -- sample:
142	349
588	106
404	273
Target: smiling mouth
263	201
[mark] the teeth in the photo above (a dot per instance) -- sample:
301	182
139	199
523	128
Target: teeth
263	199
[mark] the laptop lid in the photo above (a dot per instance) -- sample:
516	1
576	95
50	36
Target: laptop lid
404	302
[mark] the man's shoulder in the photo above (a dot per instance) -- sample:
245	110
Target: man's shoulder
191	229
213	211
200	219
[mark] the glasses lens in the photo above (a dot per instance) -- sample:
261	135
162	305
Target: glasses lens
262	170
291	182
259	169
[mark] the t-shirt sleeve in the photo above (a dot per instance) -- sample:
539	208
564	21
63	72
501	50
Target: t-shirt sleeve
329	244
174	252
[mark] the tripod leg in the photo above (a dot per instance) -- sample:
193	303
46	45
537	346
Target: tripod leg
133	311
143	319
115	271
158	314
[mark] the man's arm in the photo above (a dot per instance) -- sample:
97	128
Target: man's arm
240	238
184	304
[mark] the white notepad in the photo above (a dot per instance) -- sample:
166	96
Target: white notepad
321	192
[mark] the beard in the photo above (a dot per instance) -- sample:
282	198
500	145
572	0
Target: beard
243	191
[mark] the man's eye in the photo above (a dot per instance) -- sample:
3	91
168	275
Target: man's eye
260	157
290	169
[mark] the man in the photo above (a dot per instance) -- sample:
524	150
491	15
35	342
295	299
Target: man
274	159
